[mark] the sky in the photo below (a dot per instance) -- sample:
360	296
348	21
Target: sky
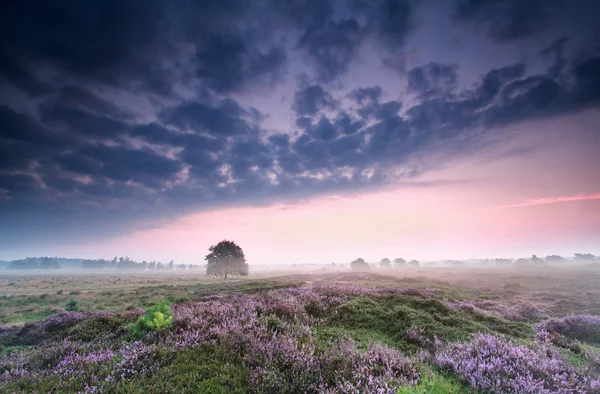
307	131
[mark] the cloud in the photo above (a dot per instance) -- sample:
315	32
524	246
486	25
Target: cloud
223	118
332	47
550	200
391	21
367	95
312	99
88	39
509	20
227	63
432	78
150	108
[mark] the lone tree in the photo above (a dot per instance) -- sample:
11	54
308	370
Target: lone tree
359	265
226	258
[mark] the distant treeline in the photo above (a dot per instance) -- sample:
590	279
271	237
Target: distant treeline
121	263
554	259
361	264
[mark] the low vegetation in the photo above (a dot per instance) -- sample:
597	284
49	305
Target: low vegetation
321	333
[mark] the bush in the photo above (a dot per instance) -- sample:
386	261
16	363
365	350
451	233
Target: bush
63	320
72	306
581	327
494	364
157	318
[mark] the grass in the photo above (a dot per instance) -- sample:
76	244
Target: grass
389	318
434	383
212	368
21	296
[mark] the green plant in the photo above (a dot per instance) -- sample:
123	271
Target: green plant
157	318
436	384
72	306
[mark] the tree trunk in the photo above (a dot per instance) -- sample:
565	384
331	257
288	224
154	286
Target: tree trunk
225	275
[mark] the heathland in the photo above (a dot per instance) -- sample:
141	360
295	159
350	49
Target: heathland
399	330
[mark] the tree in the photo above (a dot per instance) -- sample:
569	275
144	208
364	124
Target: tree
555	259
537	260
584	257
93	264
399	262
522	263
414	263
171	265
226	258
359	264
385	263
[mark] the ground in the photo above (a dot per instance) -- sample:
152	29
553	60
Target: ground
419	315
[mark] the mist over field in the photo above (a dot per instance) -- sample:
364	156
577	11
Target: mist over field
300	196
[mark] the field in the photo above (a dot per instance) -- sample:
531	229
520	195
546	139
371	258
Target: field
405	330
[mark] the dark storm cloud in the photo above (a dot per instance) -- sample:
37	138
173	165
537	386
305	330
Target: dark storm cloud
24	141
505	96
80	123
556	57
508	20
85	38
493	81
391	21
432	78
185	71
140	44
18	183
122	164
22	128
365	96
332	47
85	99
527	98
157	134
348	124
587	75
225	118
227	63
312	99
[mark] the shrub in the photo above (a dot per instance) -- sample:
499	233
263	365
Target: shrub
581	327
72	306
63	320
157	318
493	364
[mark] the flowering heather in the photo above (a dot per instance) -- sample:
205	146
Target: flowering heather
519	312
494	364
581	327
62	320
466	306
377	370
278	341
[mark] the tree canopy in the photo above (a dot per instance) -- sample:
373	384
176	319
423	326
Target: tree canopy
359	264
399	262
226	258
